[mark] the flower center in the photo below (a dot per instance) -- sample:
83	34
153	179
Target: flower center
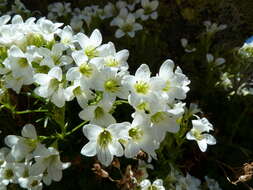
54	84
23	62
197	134
104	138
91	52
8	174
99	112
111	85
86	70
127	28
141	87
34	183
111	62
152	187
167	86
158	117
135	133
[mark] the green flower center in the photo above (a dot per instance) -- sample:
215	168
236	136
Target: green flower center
148	10
91	52
141	87
86	69
135	133
143	106
36	40
111	62
23	62
77	91
152	187
158	117
127	28
104	138
167	86
34	183
32	143
99	112
54	84
112	86
8	174
197	134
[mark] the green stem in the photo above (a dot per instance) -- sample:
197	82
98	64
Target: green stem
30	111
76	128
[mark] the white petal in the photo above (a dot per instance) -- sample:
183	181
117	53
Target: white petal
29	131
91	131
202	145
104	155
11	140
89	149
96	38
119	33
56	72
143	73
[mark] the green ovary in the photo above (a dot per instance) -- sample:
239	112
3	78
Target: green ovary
197	134
167	86
104	138
158	117
111	86
86	69
152	188
91	52
8	174
34	183
54	84
141	87
135	133
99	112
127	28
77	91
111	62
23	62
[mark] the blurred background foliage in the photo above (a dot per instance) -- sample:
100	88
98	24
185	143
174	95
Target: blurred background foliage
231	115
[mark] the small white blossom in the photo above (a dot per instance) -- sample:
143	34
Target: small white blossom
197	133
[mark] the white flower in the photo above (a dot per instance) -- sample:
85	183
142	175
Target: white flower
144	89
187	49
31	182
66	35
188	183
8	173
213	27
217	62
176	83
110	83
157	185
212	184
98	113
126	23
47	28
196	133
90	44
112	59
148	9
21	147
48	160
140	138
51	86
167	120
54	57
104	142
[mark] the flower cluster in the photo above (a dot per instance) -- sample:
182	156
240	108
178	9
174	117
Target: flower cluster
123	15
28	163
176	180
